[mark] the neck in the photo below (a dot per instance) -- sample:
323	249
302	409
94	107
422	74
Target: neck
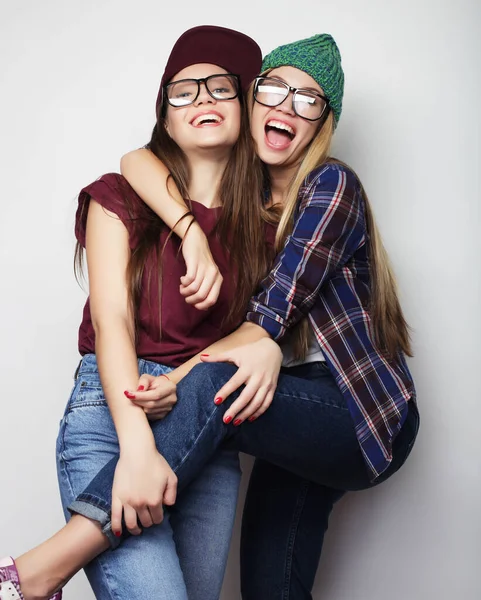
206	172
280	178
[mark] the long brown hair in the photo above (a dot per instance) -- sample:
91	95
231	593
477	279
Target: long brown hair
241	226
391	332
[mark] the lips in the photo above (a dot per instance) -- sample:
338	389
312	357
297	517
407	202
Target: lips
279	134
209	118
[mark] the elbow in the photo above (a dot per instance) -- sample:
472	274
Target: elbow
255	330
104	324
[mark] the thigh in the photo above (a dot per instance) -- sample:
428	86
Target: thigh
145	566
284	521
87	439
202	520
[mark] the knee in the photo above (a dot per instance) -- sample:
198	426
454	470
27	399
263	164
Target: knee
210	376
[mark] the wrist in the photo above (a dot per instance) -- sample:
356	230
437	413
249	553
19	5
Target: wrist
183	224
135	434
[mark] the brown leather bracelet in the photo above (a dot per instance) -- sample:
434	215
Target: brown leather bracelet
189	212
186	232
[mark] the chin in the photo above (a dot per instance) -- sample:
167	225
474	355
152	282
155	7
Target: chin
273	157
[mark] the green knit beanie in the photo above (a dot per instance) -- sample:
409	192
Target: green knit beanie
319	57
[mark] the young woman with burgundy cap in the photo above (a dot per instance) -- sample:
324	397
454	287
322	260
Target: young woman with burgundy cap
136	322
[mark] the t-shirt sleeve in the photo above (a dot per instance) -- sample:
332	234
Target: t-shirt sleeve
113	192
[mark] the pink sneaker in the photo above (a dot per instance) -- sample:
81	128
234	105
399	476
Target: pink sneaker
10	581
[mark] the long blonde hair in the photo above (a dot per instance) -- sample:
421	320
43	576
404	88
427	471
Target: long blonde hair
390	329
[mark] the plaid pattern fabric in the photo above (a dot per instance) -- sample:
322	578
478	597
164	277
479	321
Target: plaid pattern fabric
323	273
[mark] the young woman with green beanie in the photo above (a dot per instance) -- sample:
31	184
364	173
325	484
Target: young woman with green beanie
354	333
342	412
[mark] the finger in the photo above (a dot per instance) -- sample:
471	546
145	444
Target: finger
194	287
157	394
130	518
157	416
145	517
160	403
157	513
253	406
212	358
212	296
157	410
203	291
190	274
170	492
246	396
230	387
116	518
265	405
145	382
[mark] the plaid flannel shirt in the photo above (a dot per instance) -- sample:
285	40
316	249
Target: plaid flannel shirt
323	273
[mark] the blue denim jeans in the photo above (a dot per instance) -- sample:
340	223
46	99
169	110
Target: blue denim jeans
185	556
308	431
286	516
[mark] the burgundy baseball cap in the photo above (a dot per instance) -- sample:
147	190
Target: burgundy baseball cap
232	50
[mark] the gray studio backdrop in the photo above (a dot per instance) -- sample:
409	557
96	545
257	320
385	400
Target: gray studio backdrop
78	83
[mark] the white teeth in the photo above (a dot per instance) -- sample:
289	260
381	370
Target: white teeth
206	118
281	125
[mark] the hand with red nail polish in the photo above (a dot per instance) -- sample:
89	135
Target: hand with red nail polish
155	395
259	364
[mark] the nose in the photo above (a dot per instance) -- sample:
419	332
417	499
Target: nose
204	96
287	106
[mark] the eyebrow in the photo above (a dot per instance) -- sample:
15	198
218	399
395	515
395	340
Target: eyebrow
301	88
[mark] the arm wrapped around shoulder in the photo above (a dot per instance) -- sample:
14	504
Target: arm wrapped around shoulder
329	227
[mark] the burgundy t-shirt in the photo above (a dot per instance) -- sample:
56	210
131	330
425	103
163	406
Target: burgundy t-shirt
185	330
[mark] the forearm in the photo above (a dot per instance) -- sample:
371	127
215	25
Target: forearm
118	369
151	179
246	334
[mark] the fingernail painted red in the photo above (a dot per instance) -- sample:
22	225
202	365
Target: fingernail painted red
205	354
129	395
141	388
117	533
252	419
227	420
218	400
237	422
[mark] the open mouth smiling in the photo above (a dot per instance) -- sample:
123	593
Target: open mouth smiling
207	119
279	134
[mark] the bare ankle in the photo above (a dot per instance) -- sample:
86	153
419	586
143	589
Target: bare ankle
35	585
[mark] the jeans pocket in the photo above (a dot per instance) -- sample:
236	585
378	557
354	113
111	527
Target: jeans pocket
87	392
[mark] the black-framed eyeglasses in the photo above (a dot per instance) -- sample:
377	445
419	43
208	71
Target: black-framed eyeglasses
186	91
308	104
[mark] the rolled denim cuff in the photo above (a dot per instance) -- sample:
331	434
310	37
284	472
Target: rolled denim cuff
88	507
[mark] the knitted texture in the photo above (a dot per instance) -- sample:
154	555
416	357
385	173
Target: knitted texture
319	57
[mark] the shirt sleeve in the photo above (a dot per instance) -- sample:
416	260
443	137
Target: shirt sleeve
329	227
113	192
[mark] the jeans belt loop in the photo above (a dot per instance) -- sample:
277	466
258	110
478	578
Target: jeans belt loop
77	370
